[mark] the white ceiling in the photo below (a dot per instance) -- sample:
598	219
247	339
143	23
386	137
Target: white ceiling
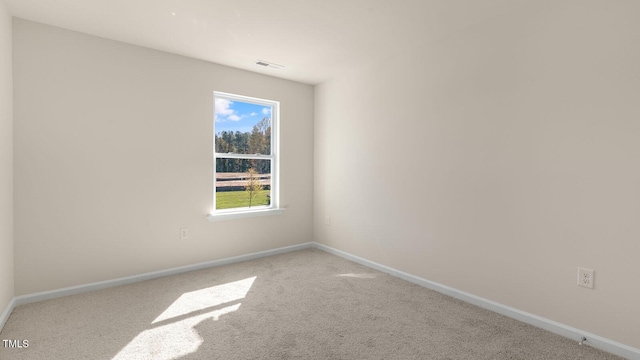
313	39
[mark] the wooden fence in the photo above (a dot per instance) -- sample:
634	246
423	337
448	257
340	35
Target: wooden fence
238	181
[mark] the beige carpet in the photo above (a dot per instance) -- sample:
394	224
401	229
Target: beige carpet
301	305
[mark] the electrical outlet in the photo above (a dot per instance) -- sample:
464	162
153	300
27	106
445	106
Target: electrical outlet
184	233
585	278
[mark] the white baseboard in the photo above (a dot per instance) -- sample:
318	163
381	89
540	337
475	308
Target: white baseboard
7	312
531	319
26	299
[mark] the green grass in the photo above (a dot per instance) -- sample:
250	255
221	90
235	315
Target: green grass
238	199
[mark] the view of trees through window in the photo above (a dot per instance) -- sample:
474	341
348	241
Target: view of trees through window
243	154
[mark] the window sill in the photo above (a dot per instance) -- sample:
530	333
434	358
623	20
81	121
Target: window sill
243	214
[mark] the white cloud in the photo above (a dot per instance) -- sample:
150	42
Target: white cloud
223	107
253	114
224	112
266	111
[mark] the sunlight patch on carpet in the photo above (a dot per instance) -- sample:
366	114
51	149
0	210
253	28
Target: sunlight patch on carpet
179	338
171	341
206	298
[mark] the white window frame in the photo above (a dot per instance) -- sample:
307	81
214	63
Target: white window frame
274	206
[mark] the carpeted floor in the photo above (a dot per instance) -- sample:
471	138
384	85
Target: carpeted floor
301	305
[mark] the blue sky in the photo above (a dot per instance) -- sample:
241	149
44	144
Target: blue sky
237	115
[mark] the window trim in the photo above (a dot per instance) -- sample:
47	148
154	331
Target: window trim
244	214
274	206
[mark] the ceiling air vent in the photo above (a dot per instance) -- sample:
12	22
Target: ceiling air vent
268	64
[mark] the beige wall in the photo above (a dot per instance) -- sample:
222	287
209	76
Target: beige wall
6	161
497	161
113	155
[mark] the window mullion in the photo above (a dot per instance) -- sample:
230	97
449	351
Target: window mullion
243	156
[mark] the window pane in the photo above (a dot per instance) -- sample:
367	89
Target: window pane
242	128
242	183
